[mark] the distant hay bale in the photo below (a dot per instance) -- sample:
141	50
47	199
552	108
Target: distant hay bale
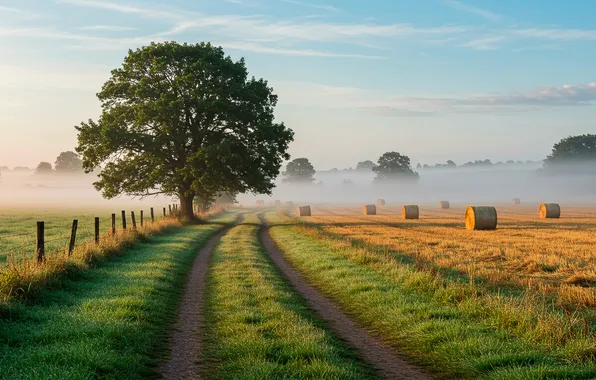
410	212
481	218
550	211
260	203
380	202
303	211
444	204
369	210
277	203
289	203
516	201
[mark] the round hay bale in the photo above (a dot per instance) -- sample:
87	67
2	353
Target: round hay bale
410	212
549	211
369	210
303	211
289	204
444	204
380	202
277	203
516	201
260	203
481	218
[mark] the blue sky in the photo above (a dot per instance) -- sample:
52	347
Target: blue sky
434	79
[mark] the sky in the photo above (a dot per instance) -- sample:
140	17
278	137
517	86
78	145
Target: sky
436	80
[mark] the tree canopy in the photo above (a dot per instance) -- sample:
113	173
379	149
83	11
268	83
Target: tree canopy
185	120
68	162
43	168
393	167
573	149
367	165
299	170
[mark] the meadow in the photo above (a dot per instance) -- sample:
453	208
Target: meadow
514	303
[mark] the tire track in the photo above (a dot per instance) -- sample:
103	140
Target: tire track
370	349
185	338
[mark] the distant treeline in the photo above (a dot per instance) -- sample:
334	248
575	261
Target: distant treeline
67	162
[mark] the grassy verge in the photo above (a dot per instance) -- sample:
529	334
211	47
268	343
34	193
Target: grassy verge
258	328
24	278
453	328
109	322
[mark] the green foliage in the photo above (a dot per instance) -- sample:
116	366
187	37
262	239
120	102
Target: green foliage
258	327
393	166
366	166
43	168
573	149
68	162
184	120
299	170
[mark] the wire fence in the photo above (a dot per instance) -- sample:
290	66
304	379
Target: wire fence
57	237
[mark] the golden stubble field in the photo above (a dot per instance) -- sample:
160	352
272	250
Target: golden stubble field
551	256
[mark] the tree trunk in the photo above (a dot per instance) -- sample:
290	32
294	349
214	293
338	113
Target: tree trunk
186	211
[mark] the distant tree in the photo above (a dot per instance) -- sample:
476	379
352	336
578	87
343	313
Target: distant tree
418	166
43	168
226	199
300	170
426	166
68	162
347	182
451	164
184	120
393	166
4	169
21	169
573	149
365	165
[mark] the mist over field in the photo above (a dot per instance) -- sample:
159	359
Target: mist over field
55	191
461	185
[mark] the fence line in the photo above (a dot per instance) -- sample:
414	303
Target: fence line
40	242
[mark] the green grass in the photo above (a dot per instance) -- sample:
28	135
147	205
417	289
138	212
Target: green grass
451	328
258	328
18	229
108	322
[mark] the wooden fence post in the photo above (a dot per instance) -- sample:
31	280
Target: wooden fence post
170	210
113	224
123	219
96	230
41	247
134	221
152	215
73	236
164	212
141	218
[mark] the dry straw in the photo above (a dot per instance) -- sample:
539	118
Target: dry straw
369	210
380	202
444	204
549	211
303	210
481	218
410	212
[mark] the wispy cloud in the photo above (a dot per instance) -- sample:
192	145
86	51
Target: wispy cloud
9	9
492	16
557	34
484	43
123	8
391	105
111	28
295	52
324	7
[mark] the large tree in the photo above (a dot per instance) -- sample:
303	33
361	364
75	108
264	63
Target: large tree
393	166
68	162
300	170
184	120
